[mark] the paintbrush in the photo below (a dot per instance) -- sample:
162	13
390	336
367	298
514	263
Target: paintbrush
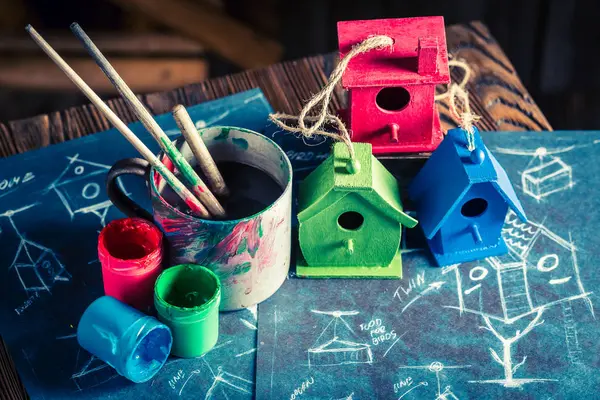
198	187
178	187
205	160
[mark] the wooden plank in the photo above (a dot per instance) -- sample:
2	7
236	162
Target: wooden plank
160	103
125	44
495	85
212	27
58	133
32	133
119	106
197	93
11	386
280	95
7	144
142	74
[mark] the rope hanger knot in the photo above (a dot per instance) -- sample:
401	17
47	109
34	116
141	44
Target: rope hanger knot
321	100
459	103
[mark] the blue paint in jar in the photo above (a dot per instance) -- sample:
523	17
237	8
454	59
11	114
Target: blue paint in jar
134	344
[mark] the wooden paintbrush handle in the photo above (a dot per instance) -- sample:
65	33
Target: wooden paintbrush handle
196	207
205	160
198	187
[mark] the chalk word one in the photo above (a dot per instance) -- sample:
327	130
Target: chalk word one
176	378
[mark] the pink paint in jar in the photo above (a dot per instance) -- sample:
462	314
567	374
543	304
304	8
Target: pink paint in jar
130	251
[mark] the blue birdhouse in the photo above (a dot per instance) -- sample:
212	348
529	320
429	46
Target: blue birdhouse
461	198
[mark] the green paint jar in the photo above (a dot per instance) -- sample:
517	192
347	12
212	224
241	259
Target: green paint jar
187	299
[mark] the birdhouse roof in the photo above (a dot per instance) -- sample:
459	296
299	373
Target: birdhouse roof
449	174
397	66
331	182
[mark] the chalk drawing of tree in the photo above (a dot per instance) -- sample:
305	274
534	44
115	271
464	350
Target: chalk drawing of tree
506	360
540	272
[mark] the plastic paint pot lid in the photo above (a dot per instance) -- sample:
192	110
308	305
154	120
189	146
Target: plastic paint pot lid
187	293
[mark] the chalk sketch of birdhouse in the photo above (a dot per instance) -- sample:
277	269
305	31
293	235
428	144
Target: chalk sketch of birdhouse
80	188
461	199
350	224
496	287
551	261
37	267
337	344
391	92
91	373
546	174
538	273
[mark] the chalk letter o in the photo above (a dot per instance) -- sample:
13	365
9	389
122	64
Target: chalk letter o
547	263
478	273
94	188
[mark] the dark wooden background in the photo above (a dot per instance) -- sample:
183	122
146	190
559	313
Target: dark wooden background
497	94
551	43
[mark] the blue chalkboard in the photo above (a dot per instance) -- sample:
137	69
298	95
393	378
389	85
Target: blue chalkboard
519	326
52	207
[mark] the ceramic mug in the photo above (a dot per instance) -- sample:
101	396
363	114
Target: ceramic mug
250	255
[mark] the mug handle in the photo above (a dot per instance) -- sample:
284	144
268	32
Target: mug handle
127	166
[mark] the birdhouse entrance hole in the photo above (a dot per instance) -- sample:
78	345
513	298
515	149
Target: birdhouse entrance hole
474	207
392	98
351	220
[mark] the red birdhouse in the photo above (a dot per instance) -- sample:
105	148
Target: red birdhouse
391	91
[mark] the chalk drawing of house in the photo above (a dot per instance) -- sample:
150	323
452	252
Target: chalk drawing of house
337	344
546	174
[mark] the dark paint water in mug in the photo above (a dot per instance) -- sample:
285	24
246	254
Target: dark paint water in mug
251	190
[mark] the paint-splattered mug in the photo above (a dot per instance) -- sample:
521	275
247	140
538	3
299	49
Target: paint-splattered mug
250	255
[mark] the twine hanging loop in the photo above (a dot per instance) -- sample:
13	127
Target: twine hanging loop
463	114
323	98
459	103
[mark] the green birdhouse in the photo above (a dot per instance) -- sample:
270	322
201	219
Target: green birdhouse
350	218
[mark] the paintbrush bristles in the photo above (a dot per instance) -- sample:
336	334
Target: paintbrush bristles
178	187
203	157
198	187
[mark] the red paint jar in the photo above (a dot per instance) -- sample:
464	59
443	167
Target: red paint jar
130	252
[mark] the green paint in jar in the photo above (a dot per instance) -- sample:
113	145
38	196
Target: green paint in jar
187	299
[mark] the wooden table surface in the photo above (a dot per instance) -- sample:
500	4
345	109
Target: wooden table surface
496	94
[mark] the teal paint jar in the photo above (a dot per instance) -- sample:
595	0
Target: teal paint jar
187	299
134	344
